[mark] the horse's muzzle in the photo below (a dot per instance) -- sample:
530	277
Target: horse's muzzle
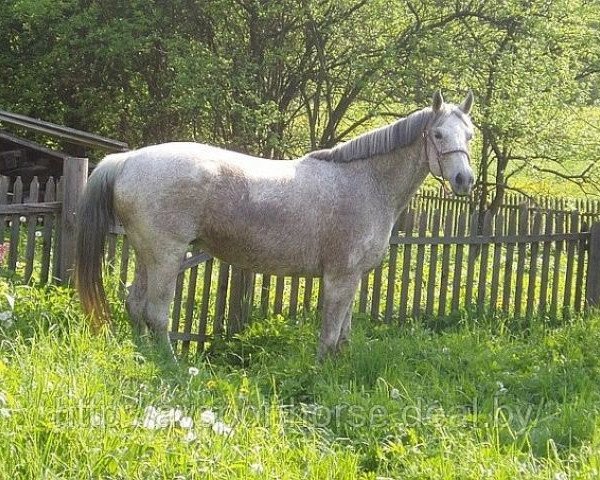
462	183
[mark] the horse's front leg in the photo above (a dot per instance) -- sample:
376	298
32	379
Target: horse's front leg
339	290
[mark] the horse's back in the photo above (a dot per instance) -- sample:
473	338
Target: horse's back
275	216
238	207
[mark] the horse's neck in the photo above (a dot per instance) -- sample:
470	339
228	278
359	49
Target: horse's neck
399	174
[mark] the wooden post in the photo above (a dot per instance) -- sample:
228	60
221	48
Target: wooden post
221	300
75	172
592	290
234	319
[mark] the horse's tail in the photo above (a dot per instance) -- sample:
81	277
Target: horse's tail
94	217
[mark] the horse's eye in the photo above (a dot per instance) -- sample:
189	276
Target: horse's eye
438	135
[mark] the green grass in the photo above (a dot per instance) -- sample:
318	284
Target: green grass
467	402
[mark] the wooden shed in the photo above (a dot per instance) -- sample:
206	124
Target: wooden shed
21	155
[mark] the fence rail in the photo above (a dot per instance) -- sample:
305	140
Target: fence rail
445	259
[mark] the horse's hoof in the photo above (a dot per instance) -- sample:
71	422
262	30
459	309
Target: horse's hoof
343	344
325	352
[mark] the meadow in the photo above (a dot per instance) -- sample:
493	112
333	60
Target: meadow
476	400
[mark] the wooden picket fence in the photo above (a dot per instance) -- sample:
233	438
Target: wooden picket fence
428	200
526	264
445	261
32	228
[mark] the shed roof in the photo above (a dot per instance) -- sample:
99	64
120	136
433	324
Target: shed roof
7	137
68	134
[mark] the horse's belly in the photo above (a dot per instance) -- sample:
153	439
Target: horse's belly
273	254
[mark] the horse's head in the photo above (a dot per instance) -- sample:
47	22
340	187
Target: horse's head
446	143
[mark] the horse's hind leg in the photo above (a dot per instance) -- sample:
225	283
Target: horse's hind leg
162	275
136	299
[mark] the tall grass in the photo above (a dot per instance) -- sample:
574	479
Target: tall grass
466	402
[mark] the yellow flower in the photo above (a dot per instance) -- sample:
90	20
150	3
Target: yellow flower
211	384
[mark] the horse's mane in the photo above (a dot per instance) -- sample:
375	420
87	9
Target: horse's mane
379	141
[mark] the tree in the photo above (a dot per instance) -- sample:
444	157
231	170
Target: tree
281	78
523	61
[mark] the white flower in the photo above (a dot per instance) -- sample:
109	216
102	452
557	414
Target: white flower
96	420
38	233
4	413
501	388
208	416
186	422
395	394
188	255
193	371
221	428
23	219
561	476
257	468
190	437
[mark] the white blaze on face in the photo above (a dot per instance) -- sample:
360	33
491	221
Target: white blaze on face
460	174
448	144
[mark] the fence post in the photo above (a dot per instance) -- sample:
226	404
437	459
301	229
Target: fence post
75	172
592	290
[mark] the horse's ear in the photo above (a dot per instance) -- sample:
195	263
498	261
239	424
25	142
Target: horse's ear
438	101
467	103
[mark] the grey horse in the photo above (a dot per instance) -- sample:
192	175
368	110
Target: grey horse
328	214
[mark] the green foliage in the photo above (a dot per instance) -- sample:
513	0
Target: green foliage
401	402
281	78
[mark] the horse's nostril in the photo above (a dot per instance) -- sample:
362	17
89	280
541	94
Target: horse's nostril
459	179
